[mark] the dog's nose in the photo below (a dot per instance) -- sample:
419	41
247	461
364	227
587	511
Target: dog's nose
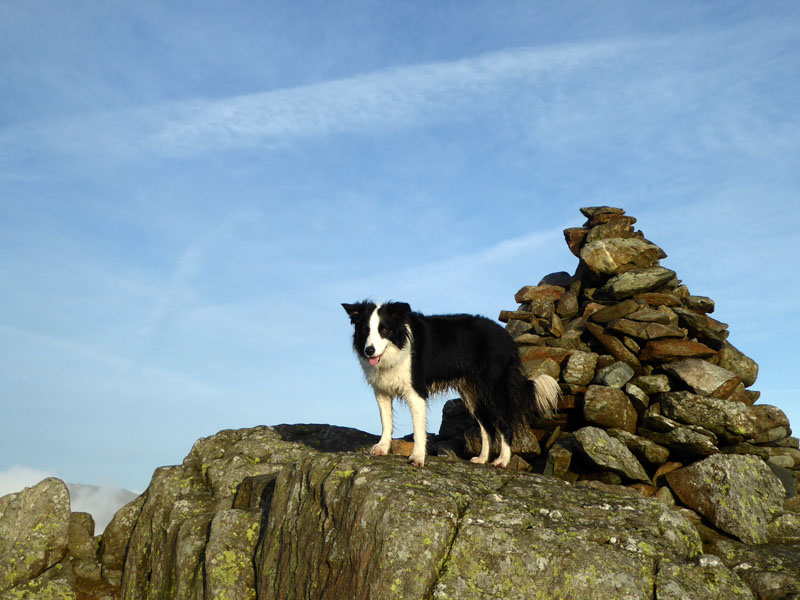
369	350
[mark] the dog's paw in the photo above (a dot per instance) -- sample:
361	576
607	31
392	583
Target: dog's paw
500	462
379	450
478	460
417	461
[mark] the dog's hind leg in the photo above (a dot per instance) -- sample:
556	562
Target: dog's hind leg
505	453
486	444
385	408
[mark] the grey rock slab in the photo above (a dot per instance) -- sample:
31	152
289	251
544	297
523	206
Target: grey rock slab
609	454
739	494
615	375
580	368
706	579
731	358
642	448
609	407
353	526
731	421
702	376
635	282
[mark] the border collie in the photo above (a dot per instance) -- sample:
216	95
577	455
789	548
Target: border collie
407	355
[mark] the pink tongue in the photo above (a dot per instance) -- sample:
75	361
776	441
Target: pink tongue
375	360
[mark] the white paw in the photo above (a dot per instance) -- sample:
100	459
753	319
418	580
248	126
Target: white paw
380	450
417	460
501	462
478	460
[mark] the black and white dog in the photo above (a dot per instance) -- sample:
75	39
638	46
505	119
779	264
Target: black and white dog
407	355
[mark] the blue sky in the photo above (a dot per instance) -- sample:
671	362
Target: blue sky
189	190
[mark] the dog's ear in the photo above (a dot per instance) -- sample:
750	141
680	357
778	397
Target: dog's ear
397	310
354	310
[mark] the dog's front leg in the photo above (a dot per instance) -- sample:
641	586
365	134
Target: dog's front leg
418	407
385	408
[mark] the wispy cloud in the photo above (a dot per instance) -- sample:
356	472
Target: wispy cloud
364	103
556	94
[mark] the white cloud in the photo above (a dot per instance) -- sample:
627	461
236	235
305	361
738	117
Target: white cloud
371	102
17	478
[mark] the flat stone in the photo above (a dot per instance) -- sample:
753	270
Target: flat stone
559	458
608	256
702	304
568	306
580	368
652	384
594	211
620	227
609	407
668	349
731	358
614	345
644	449
637	396
609	454
700	375
616	375
659	298
704	327
685	441
539	292
645	330
541	366
537	352
575	237
615	311
771	435
738	494
662	315
636	281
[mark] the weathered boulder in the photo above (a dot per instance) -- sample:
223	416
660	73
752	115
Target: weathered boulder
34	534
771	571
684	441
609	256
609	407
164	557
732	359
609	454
730	421
644	449
690	581
738	494
456	530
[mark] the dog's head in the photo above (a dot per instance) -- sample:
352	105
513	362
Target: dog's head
380	331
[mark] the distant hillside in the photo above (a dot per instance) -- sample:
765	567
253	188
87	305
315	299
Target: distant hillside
100	502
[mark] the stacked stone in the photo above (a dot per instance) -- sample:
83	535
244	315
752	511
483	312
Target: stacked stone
650	381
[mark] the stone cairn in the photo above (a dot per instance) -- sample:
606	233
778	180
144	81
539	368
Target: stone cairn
650	383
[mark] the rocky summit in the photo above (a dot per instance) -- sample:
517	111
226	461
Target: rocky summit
661	477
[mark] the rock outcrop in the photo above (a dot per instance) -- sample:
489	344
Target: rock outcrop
659	478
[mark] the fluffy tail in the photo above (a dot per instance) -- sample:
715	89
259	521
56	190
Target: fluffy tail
546	395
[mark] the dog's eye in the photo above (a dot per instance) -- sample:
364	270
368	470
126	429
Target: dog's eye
383	331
